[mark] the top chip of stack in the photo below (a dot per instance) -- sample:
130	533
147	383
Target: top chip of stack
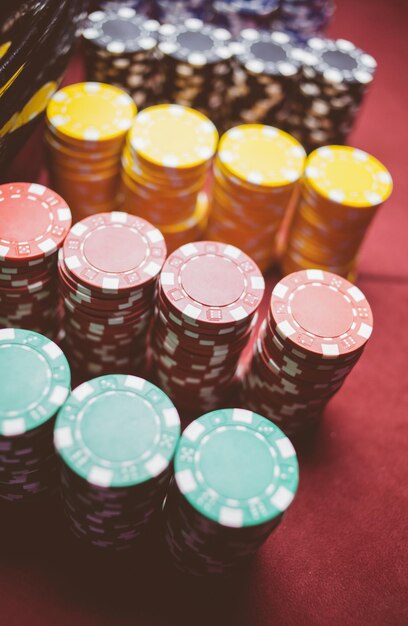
120	31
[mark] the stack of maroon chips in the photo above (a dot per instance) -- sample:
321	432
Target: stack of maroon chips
316	330
108	270
208	296
33	224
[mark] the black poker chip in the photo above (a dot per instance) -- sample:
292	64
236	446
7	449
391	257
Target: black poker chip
194	42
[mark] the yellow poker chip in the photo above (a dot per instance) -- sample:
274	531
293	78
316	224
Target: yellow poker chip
173	136
348	176
37	103
261	155
91	112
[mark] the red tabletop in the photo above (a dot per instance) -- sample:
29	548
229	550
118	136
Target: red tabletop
340	555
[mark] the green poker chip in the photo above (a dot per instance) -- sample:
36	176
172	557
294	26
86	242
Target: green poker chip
35	380
236	468
117	431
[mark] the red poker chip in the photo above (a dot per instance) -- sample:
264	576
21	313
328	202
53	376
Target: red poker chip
320	313
310	359
114	252
211	283
33	222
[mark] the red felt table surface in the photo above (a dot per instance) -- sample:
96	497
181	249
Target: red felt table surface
340	556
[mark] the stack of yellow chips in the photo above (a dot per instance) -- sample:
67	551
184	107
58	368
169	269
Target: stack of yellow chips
341	191
256	173
165	166
86	128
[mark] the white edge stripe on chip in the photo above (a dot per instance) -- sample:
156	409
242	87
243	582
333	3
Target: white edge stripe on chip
186	481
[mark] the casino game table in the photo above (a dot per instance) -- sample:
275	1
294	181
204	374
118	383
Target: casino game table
340	555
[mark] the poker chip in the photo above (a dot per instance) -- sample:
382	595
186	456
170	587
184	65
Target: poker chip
219	510
256	172
33	224
304	18
177	11
341	191
327	97
195	66
34	384
120	49
165	165
208	296
86	128
317	327
267	64
116	437
238	15
108	270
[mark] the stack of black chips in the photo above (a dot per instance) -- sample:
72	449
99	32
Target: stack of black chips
196	67
334	79
120	49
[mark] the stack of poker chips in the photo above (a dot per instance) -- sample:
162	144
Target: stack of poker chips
304	18
266	68
120	49
196	66
341	191
236	15
33	224
165	165
236	475
108	269
86	128
317	327
203	322
116	437
327	97
256	174
34	383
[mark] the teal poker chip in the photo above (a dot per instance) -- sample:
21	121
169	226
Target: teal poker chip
35	380
236	468
117	431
